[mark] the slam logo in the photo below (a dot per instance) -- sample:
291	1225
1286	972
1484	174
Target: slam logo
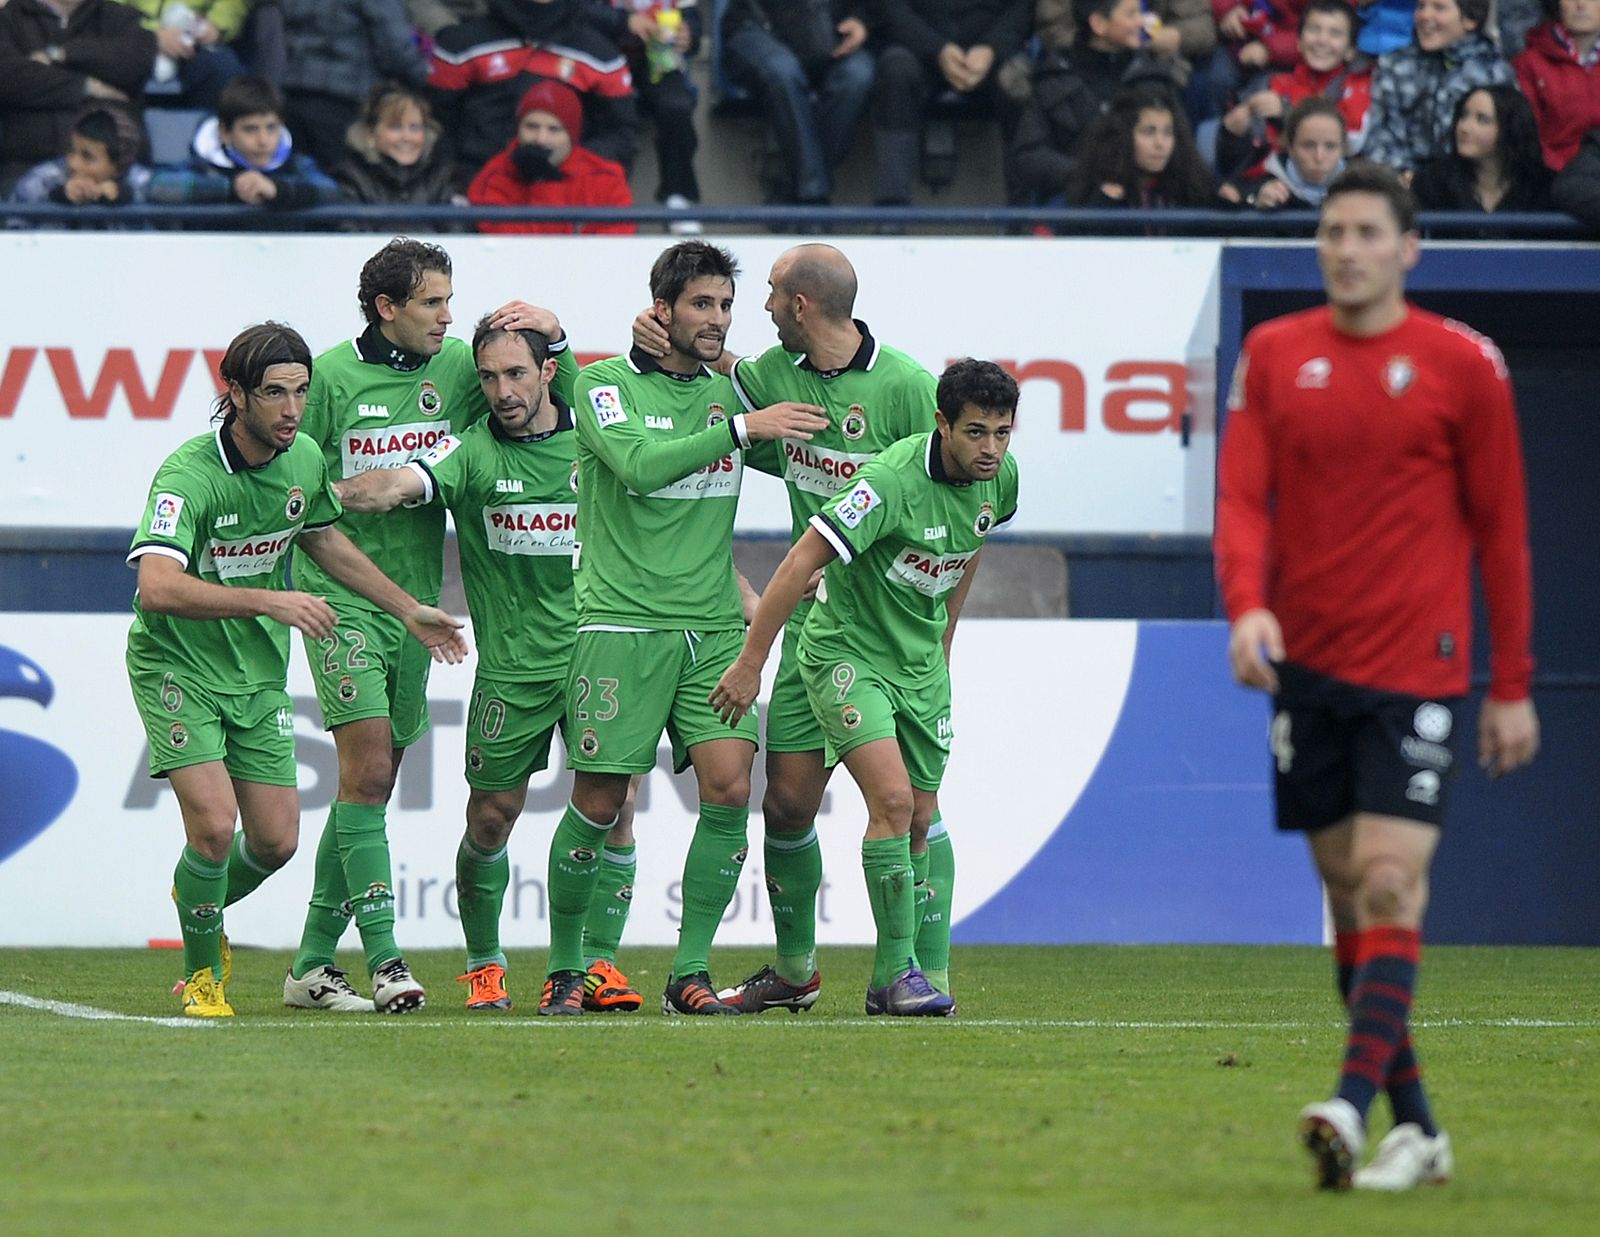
40	780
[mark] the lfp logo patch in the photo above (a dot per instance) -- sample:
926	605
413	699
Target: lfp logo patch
39	780
855	505
607	404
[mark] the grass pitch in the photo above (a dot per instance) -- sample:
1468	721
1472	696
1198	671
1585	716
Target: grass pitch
1081	1090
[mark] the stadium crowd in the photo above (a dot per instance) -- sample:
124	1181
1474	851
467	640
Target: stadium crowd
1485	105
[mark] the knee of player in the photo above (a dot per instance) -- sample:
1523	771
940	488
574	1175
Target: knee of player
893	809
783	812
1387	890
489	828
726	789
273	853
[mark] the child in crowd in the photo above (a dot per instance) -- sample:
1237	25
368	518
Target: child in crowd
99	167
1415	90
545	166
1297	176
1071	87
1254	37
1140	154
1325	69
245	154
395	155
1559	72
1494	164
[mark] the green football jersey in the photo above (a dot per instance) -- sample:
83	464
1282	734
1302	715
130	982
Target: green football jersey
516	511
880	397
233	525
659	467
904	534
372	406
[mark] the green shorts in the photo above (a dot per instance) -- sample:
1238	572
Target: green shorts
187	723
371	667
791	725
509	728
625	687
855	706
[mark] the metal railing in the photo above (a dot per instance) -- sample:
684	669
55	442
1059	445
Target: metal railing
960	220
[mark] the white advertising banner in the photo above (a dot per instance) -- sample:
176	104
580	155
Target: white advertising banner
108	352
98	874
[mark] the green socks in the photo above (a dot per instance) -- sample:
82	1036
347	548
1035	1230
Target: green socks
613	899
199	888
574	870
936	878
710	873
481	880
890	881
794	874
245	871
364	851
328	913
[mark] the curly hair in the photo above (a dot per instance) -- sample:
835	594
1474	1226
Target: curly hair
974	384
397	272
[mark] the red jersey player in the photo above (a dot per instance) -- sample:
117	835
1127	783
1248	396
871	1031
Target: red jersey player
1371	451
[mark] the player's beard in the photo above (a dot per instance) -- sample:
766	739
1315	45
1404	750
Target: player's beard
689	344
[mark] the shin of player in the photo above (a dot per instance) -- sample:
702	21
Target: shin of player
208	651
1371	453
895	546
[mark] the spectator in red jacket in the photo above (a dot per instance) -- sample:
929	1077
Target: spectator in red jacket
545	166
1325	69
1559	71
1254	37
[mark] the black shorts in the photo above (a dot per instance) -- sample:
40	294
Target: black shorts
1340	749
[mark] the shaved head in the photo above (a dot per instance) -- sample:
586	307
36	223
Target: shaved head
822	275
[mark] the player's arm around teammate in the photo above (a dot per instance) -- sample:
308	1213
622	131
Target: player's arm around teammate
872	651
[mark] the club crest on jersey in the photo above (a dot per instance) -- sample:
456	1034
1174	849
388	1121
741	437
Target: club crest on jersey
850	717
572	479
607	405
178	736
475	760
1398	375
295	507
347	689
985	520
589	743
428	398
716	414
1314	374
854	425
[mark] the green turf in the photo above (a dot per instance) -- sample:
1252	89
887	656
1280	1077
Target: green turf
1031	1112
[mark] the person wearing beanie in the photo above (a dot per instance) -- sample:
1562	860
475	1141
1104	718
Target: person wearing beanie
99	166
545	166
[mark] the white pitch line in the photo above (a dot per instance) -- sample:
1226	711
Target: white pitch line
88	1012
324	1022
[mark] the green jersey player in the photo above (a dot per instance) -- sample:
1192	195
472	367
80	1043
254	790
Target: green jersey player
660	446
895	545
382	399
511	483
208	653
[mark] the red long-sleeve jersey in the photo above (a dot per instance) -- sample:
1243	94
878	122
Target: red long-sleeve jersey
1358	477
